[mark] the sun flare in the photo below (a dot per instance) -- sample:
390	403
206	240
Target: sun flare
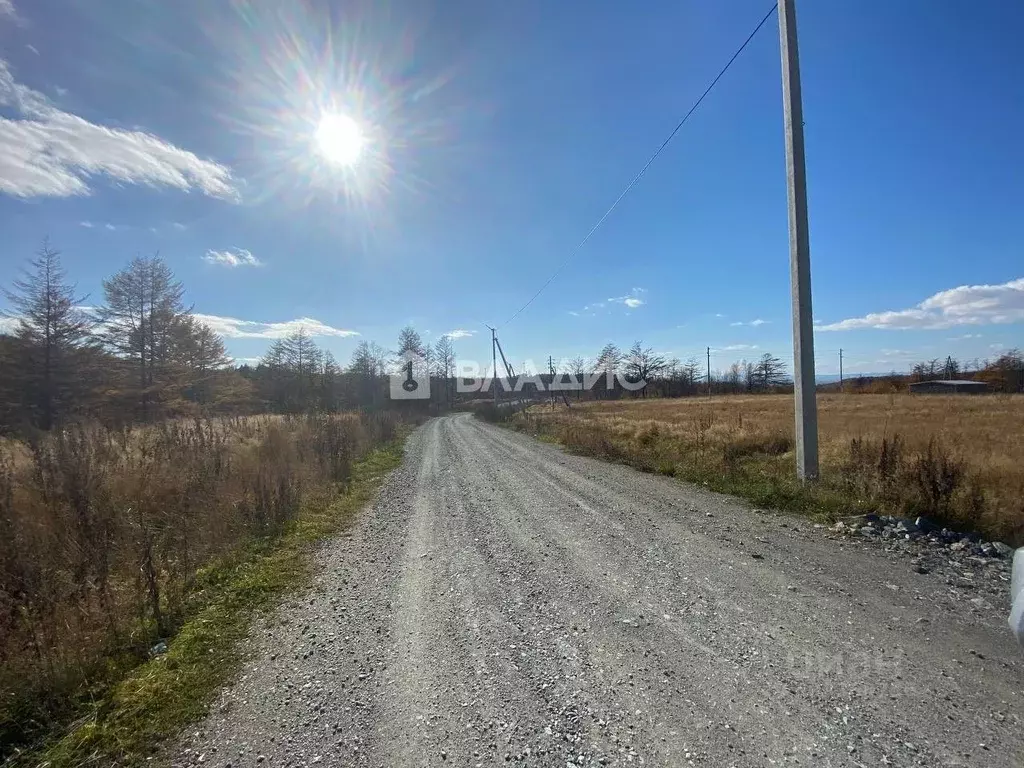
340	139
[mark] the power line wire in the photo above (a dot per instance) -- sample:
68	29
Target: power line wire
643	170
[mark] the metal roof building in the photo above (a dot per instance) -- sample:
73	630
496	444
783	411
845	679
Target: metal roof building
949	386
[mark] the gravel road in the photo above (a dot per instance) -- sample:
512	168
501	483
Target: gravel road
505	603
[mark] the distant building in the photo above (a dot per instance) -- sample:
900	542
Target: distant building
949	387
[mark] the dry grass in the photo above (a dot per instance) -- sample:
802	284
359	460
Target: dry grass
958	458
106	538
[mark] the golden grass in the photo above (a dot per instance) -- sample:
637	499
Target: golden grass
697	437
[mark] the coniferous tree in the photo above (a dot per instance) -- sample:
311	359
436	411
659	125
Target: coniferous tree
140	322
44	361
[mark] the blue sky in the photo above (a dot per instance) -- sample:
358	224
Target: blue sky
496	135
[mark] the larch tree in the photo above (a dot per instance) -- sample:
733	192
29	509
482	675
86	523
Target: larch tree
51	333
203	357
140	322
609	362
444	363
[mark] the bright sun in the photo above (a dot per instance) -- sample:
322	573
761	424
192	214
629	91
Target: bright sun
340	140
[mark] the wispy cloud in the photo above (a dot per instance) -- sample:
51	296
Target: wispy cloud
7	9
460	333
631	300
104	225
754	323
52	153
735	348
232	257
965	337
965	305
233	328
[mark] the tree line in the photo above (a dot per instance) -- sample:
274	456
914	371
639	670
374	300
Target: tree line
141	355
641	371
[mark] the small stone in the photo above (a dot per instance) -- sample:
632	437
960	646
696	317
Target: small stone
1002	550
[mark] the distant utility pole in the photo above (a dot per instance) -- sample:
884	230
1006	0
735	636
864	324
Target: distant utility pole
709	371
494	364
806	406
840	369
551	385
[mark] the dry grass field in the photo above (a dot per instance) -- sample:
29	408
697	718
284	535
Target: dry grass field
113	540
959	459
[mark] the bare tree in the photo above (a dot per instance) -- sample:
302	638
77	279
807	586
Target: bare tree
642	364
769	372
577	367
444	364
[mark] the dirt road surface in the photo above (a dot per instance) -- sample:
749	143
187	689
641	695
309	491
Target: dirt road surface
503	603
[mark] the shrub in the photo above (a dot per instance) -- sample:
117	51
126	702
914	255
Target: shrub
103	532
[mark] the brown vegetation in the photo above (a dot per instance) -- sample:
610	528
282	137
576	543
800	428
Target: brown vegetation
105	537
958	459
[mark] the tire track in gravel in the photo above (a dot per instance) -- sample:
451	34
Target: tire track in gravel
505	603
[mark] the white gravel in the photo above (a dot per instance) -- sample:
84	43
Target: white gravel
503	602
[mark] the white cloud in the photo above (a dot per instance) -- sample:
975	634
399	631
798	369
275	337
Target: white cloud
86	224
460	333
631	299
245	360
965	337
52	153
7	9
234	328
965	305
232	257
754	323
735	348
9	324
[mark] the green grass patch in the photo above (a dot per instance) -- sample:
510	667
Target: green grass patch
762	473
155	700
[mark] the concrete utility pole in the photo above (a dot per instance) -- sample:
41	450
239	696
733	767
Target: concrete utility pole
804	394
551	386
840	369
709	371
494	365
